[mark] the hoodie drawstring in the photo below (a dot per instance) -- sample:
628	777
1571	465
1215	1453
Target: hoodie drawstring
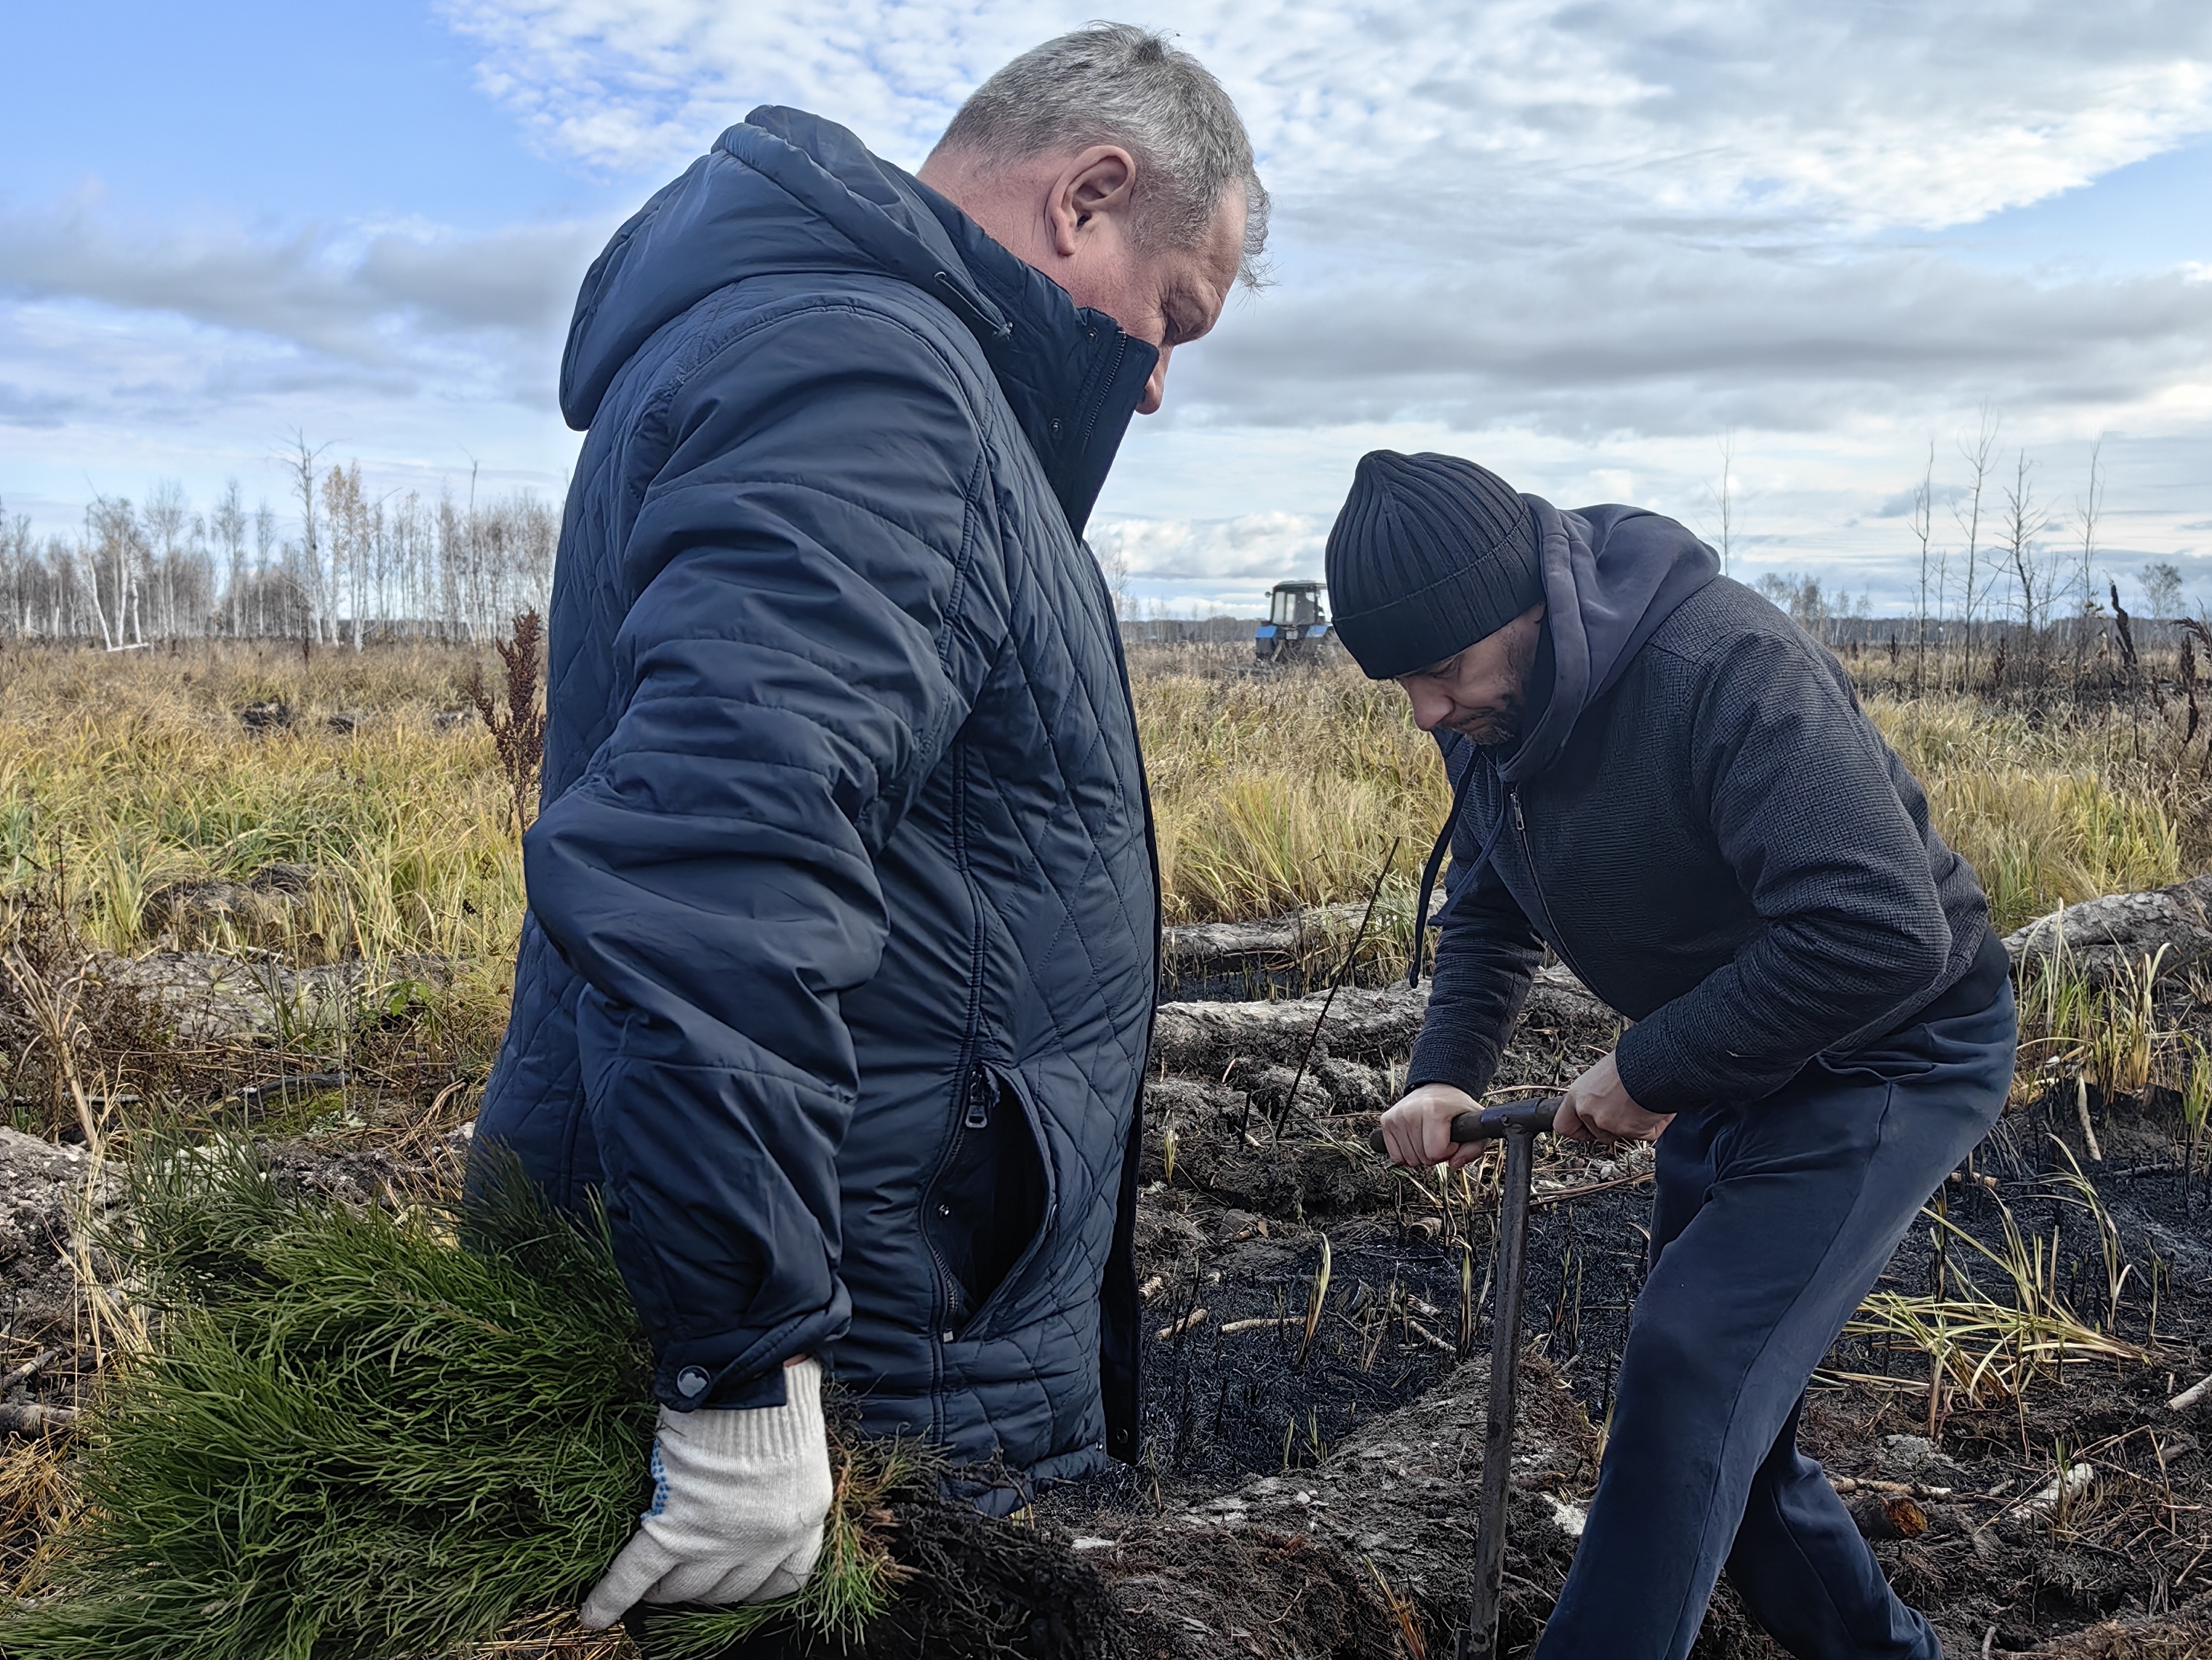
1436	862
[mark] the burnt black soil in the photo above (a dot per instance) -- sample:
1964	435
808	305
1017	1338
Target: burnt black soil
1302	1498
1236	1231
973	1588
2135	1548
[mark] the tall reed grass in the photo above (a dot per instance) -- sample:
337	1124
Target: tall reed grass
1271	794
2052	811
125	780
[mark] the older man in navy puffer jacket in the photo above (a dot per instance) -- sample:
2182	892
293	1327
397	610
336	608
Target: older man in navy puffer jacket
839	967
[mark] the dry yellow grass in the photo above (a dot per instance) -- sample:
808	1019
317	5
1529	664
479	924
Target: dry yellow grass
122	776
2053	814
37	1500
1271	794
1274	793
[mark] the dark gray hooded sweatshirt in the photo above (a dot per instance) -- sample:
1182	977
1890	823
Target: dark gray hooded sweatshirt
1704	825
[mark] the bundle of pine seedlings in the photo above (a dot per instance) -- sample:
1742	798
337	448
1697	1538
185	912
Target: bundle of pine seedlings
373	1435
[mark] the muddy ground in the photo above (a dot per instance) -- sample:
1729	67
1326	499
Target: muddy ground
1308	1496
1322	1440
1313	1447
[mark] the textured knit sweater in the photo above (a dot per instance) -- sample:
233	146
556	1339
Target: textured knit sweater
1723	850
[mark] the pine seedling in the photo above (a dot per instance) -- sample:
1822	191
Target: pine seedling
351	1436
193	1214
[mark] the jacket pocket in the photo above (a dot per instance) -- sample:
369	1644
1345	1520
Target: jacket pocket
1889	1059
992	1204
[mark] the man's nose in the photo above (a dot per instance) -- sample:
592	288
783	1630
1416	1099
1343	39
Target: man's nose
1156	387
1430	706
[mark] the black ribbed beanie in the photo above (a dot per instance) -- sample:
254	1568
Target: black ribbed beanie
1431	554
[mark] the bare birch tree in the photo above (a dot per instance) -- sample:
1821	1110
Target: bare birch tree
2025	520
163	517
1979	455
227	522
2161	589
301	462
362	566
1923	525
2087	510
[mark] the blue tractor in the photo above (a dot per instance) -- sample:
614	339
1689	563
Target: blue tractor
1297	630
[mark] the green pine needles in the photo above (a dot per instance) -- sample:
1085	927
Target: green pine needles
353	1439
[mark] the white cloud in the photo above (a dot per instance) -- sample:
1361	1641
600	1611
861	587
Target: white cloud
1865	115
1583	235
1577	237
1655	334
1172	550
645	84
381	297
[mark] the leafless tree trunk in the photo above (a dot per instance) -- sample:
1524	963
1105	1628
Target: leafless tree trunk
16	574
1924	524
88	567
2025	519
229	525
2088	509
300	464
163	516
475	566
1723	497
1979	455
264	548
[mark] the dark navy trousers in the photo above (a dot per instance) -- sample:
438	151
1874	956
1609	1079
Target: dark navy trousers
1771	1222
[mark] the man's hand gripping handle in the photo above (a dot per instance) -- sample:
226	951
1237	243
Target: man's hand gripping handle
1488	1124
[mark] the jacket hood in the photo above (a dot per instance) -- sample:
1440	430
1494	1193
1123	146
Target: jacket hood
1611	575
784	191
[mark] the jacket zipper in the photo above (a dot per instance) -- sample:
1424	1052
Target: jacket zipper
1528	853
967	1068
978	1115
975	1114
1090	418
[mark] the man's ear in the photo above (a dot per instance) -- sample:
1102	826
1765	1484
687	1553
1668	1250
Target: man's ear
1101	179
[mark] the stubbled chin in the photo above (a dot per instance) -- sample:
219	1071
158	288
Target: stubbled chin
1488	734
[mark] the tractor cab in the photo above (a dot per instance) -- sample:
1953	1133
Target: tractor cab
1297	627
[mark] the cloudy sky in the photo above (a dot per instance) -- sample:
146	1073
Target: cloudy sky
1583	242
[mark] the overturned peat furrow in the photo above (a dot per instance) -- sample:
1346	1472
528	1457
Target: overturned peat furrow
1306	1495
1369	1556
1229	1242
2123	1576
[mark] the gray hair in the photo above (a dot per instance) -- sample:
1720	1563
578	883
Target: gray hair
1113	83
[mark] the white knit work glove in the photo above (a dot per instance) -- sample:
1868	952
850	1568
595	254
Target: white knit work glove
739	1496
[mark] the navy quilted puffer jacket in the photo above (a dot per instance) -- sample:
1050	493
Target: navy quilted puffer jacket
838	971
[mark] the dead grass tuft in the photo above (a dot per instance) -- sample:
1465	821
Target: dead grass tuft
37	1501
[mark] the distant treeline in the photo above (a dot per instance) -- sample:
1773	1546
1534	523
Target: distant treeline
1835	618
1188	630
353	567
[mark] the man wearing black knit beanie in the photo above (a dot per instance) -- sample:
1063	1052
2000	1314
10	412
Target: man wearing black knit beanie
1655	773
